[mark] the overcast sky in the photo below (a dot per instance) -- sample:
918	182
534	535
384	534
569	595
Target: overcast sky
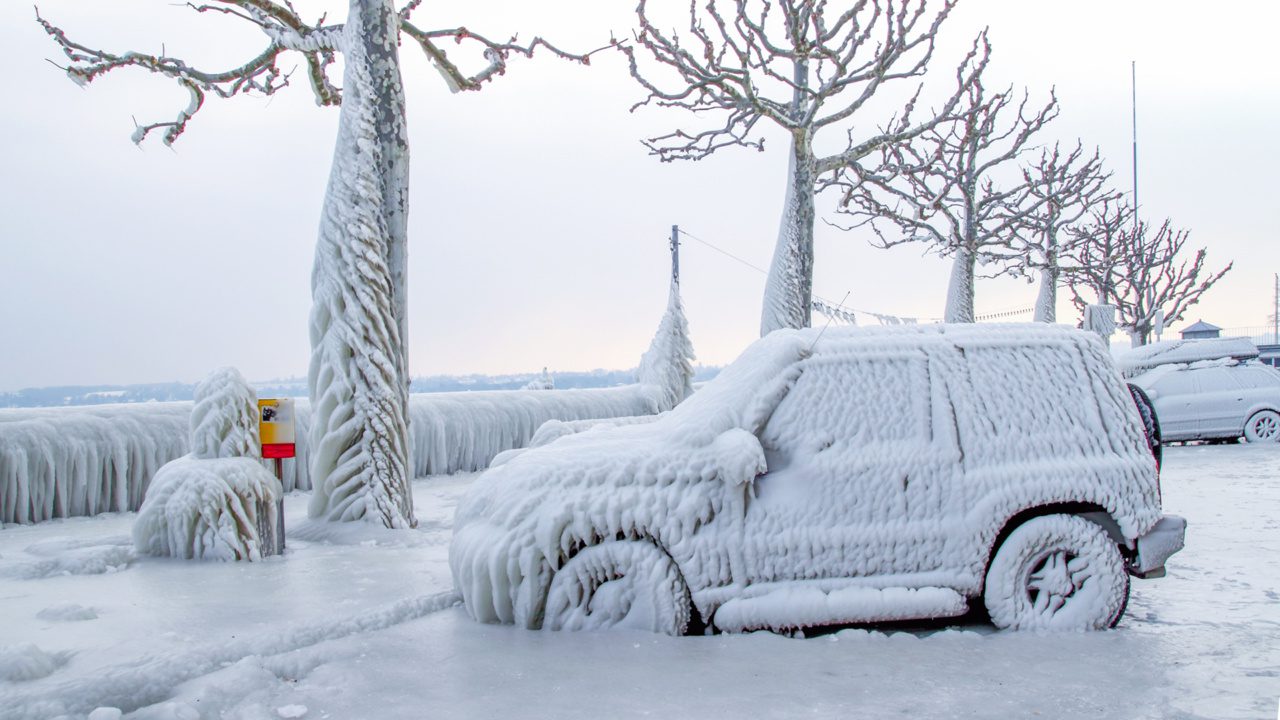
538	222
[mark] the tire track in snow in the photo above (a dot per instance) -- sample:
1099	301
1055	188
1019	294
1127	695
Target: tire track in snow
152	679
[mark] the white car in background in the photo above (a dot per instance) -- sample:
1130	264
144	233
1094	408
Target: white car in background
1215	400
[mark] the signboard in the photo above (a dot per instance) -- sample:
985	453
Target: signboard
275	427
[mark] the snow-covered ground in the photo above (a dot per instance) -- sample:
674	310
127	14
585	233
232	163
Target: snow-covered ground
368	627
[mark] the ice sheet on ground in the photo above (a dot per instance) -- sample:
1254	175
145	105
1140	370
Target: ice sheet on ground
1203	642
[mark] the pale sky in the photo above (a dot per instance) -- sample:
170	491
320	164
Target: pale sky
538	222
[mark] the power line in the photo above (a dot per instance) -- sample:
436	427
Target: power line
839	308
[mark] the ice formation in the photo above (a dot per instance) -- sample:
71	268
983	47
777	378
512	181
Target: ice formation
542	382
219	509
959	307
1070	583
358	379
224	417
67	612
219	502
668	363
789	285
894	457
62	462
26	661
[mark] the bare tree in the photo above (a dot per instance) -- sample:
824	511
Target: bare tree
1061	187
1096	253
805	70
941	188
358	379
1139	272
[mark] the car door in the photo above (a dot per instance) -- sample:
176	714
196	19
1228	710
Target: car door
1217	403
1259	389
856	473
1173	395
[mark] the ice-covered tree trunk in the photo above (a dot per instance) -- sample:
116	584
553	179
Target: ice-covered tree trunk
1047	300
357	380
789	289
960	290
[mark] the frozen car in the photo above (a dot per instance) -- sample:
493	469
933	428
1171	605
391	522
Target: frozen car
1215	400
846	477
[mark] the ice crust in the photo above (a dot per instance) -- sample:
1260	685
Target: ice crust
67	612
863	432
26	661
65	462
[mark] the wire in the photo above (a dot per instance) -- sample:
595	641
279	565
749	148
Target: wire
829	303
840	306
726	253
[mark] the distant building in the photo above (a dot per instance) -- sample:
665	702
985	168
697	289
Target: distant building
1200	330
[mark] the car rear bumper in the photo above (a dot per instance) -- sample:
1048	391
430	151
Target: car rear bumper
1154	548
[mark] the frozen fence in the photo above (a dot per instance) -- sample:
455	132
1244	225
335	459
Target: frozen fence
64	462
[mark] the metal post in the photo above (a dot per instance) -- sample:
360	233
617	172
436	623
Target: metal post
1275	319
675	254
1134	86
280	508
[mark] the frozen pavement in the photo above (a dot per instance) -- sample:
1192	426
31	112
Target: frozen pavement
367	628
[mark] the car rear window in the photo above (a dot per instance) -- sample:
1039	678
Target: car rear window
1033	400
863	400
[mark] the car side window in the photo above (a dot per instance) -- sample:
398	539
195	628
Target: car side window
1253	378
853	400
1180	382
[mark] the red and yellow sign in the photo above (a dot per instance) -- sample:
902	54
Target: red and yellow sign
275	427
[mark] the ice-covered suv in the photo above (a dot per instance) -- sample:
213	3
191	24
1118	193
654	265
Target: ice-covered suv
852	476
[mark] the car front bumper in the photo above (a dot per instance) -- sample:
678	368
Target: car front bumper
1163	540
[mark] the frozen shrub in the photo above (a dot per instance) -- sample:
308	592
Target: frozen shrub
218	502
224	419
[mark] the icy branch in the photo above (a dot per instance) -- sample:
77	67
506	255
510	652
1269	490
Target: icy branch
259	75
743	60
495	53
1140	272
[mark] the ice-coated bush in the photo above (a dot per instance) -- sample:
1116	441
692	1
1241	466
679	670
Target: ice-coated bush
224	418
218	502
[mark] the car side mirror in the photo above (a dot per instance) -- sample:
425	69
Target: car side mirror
739	456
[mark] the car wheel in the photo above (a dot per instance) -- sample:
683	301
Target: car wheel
627	584
1263	427
1057	572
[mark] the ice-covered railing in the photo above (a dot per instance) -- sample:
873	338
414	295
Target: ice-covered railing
64	462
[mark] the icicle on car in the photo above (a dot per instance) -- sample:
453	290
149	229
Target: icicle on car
864	475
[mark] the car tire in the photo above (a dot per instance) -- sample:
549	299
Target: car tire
627	584
1057	572
1263	427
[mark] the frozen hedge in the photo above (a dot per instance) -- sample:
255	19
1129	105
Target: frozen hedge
64	462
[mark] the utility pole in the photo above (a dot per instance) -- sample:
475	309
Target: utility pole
1134	85
1275	318
675	254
